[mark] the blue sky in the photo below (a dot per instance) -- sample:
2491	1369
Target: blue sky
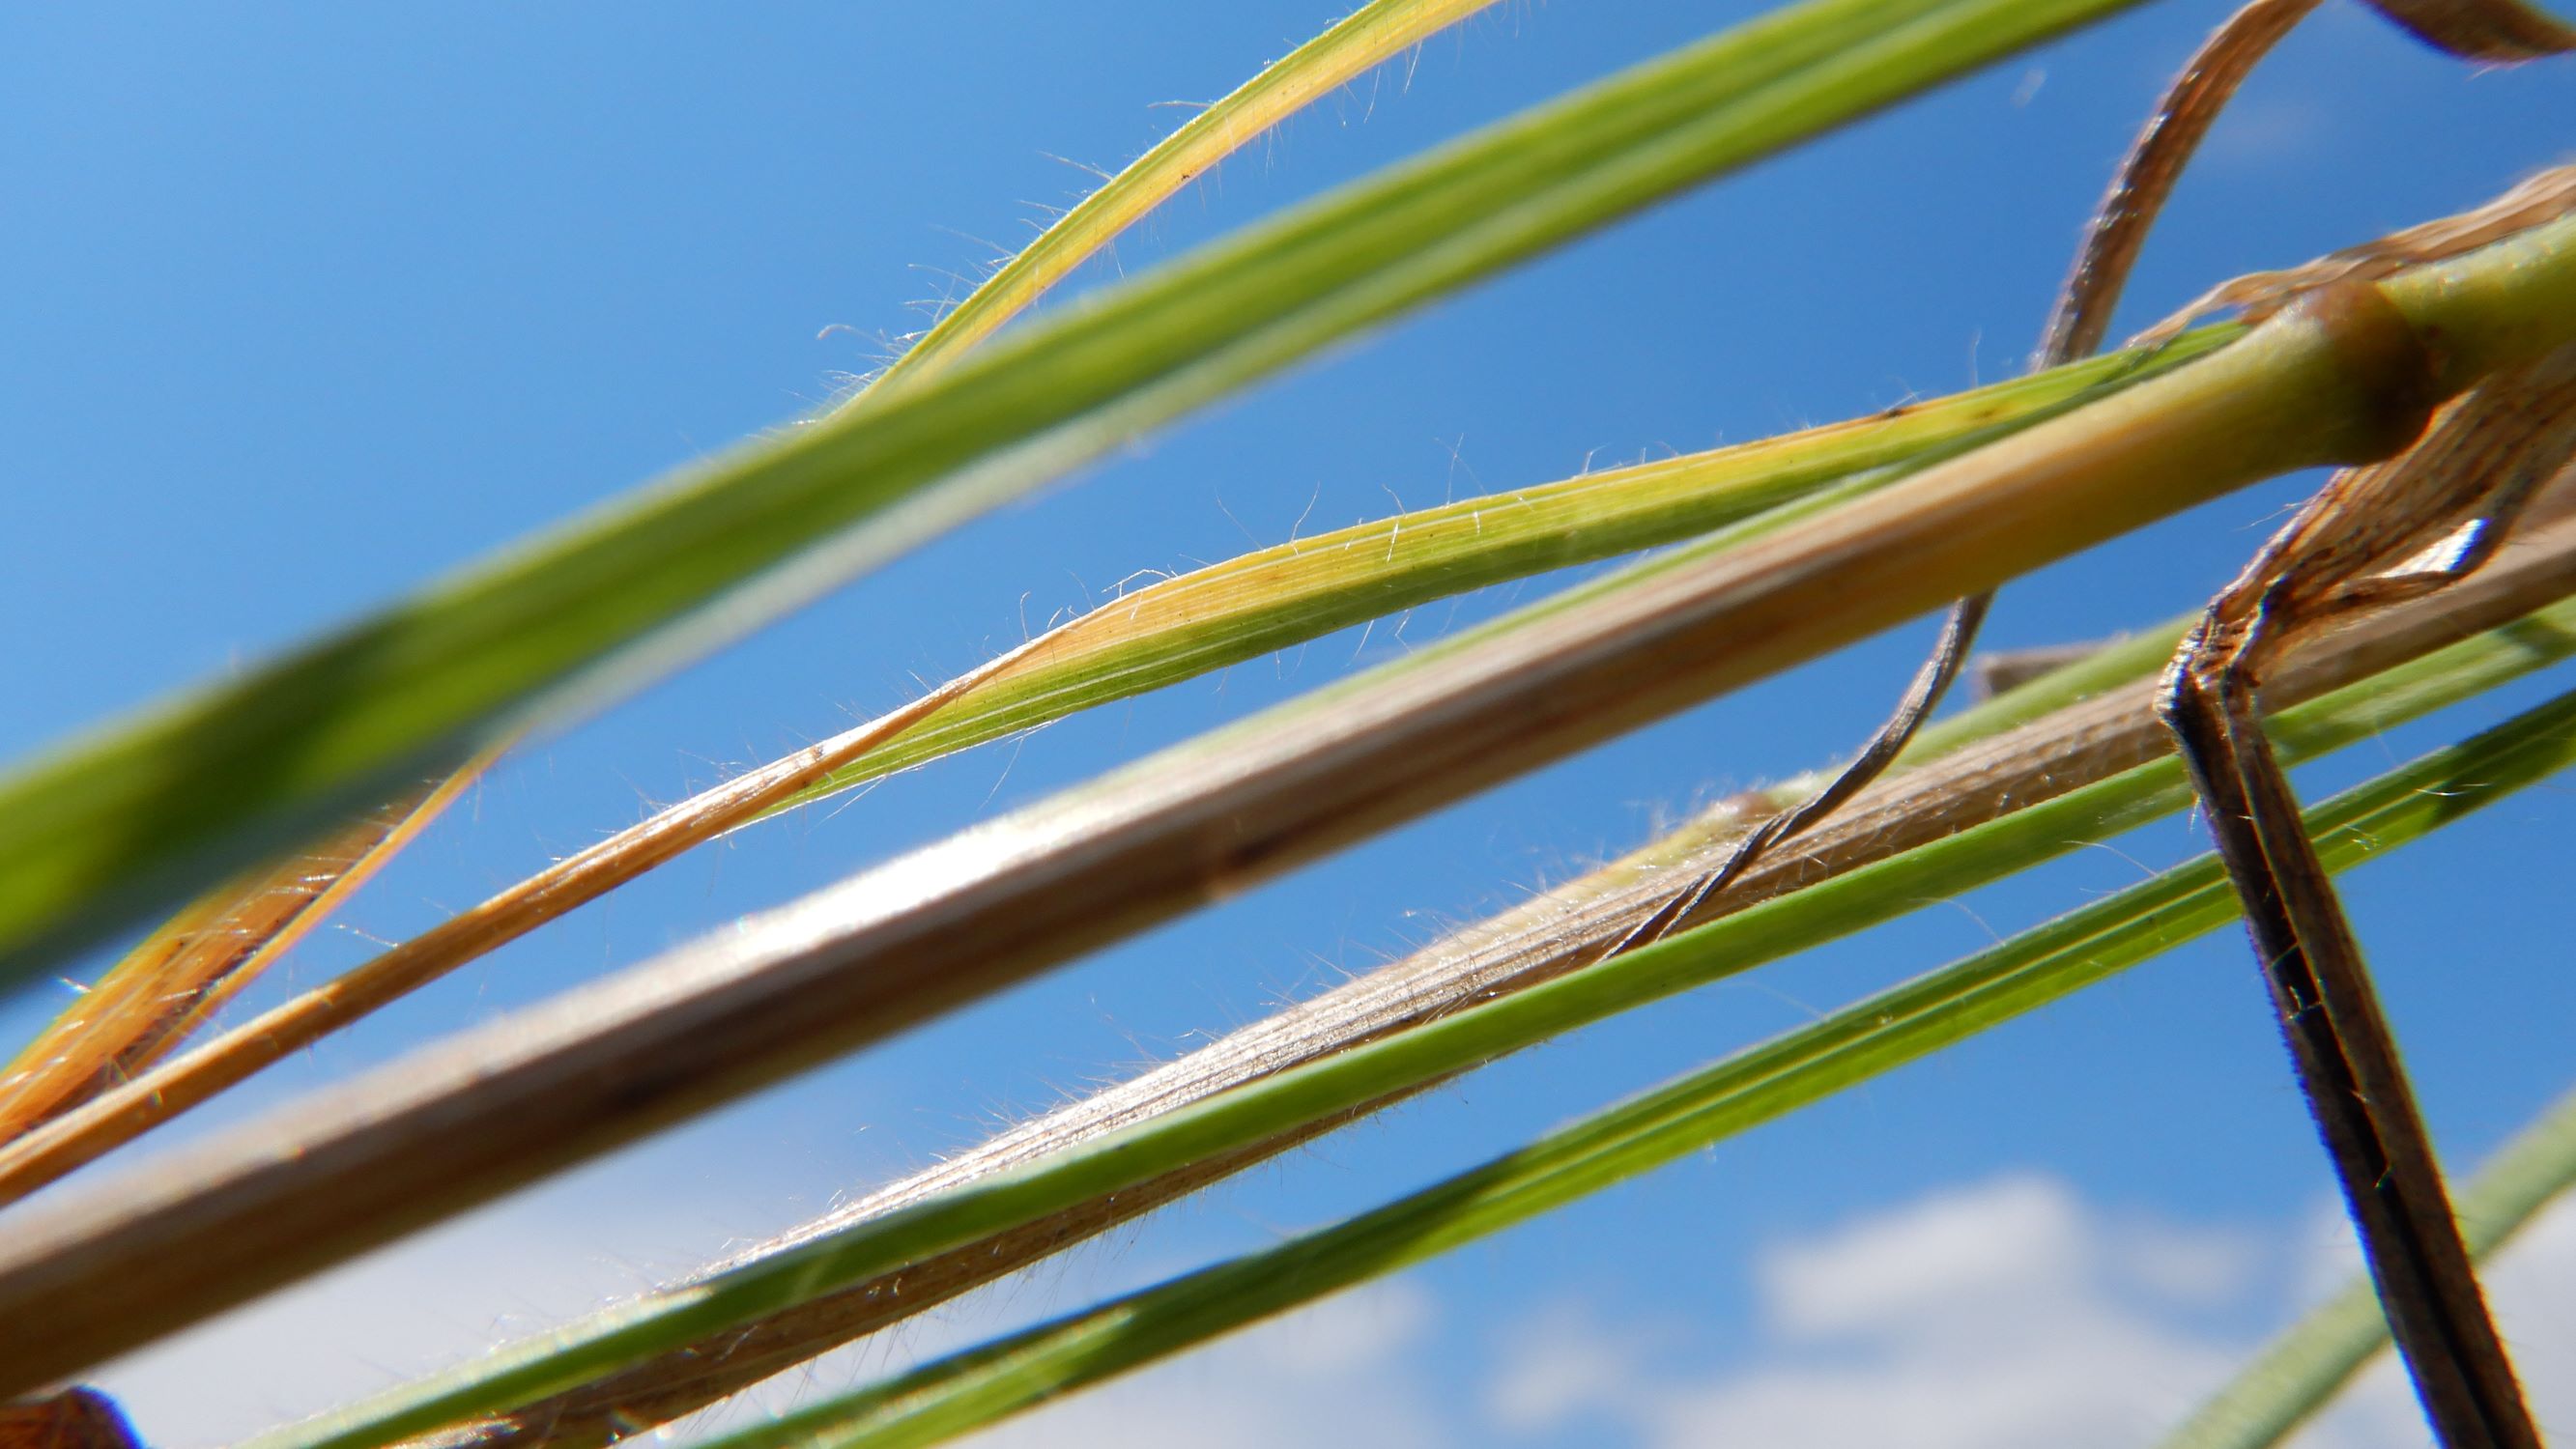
310	303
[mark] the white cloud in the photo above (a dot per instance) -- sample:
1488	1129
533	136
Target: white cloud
2532	1291
2001	1315
1997	1315
1917	1273
366	1328
1565	1360
1340	1373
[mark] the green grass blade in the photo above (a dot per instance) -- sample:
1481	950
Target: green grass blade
977	1388
1290	593
1273	1105
2299	1372
151	808
1364	38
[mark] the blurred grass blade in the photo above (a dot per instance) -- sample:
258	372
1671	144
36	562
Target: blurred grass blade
2301	1371
1089	1165
167	987
977	1388
158	805
778	993
1170	631
1366	37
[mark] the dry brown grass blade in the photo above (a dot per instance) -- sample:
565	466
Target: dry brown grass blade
2489	30
110	1269
167	987
2146	178
1534	942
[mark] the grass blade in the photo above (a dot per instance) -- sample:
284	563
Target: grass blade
1284	595
1366	37
171	984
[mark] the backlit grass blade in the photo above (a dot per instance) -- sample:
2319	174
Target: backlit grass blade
1366	37
970	1390
145	810
1277	597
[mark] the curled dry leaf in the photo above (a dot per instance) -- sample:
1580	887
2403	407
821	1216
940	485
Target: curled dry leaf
2354	547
